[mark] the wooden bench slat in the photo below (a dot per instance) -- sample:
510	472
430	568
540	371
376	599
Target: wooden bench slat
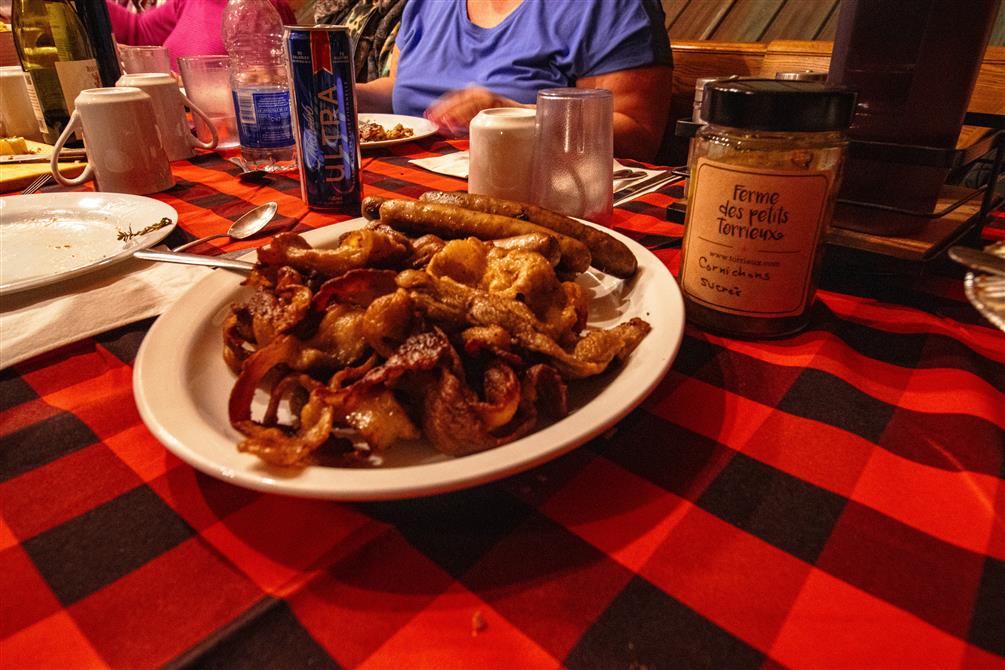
699	19
747	20
799	20
829	29
672	10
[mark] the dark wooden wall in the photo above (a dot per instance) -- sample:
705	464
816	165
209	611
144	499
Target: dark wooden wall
766	20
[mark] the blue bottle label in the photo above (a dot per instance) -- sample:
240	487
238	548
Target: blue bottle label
263	118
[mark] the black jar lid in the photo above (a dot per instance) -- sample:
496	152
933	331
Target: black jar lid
777	105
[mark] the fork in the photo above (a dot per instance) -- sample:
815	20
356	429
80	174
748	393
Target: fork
39	182
628	173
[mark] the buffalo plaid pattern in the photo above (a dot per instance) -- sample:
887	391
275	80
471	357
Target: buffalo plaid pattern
833	499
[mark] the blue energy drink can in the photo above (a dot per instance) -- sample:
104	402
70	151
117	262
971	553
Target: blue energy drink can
323	105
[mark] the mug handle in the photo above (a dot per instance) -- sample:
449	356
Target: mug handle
193	140
88	172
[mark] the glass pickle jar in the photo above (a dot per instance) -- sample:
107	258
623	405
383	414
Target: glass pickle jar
764	175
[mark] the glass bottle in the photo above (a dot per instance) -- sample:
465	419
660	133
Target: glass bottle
98	26
54	50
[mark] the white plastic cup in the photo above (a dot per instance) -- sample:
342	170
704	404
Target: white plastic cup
574	152
502	153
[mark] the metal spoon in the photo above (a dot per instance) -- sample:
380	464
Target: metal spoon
246	174
246	226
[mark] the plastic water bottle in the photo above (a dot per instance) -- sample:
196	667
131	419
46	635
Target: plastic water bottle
253	36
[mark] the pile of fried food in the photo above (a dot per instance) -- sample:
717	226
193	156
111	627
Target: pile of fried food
455	318
374	132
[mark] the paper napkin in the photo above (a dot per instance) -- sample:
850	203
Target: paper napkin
39	320
456	165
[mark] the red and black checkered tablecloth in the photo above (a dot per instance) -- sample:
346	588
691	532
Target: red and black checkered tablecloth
833	499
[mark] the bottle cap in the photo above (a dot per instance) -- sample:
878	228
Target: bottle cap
802	75
775	105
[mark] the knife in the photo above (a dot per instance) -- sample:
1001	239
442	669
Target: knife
660	179
193	259
978	260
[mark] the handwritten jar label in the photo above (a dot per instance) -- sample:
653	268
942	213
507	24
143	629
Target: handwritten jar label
752	237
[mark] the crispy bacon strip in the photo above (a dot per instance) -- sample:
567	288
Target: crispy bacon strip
276	310
542	392
274	444
368	403
277	447
378	416
280	351
502	396
458	423
450	419
293	446
444	300
356	249
237	338
355	287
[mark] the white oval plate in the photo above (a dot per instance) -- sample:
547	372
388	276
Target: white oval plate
182	385
46	238
420	128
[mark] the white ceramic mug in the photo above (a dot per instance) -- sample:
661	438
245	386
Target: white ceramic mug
124	149
169	110
16	115
501	153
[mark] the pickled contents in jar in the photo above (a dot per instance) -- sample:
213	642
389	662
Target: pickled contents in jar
758	207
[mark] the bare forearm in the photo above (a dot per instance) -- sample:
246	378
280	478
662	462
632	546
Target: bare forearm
641	108
634	140
375	96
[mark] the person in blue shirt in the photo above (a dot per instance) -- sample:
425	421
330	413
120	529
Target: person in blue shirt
454	58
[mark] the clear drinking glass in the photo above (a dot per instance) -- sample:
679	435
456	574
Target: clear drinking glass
574	155
207	84
138	59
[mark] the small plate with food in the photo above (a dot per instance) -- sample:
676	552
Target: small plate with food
386	130
20	150
45	239
430	346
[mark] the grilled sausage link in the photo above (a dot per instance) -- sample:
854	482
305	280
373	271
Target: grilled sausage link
608	253
449	221
371	207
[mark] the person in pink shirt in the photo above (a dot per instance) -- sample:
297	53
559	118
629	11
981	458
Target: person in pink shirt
185	27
